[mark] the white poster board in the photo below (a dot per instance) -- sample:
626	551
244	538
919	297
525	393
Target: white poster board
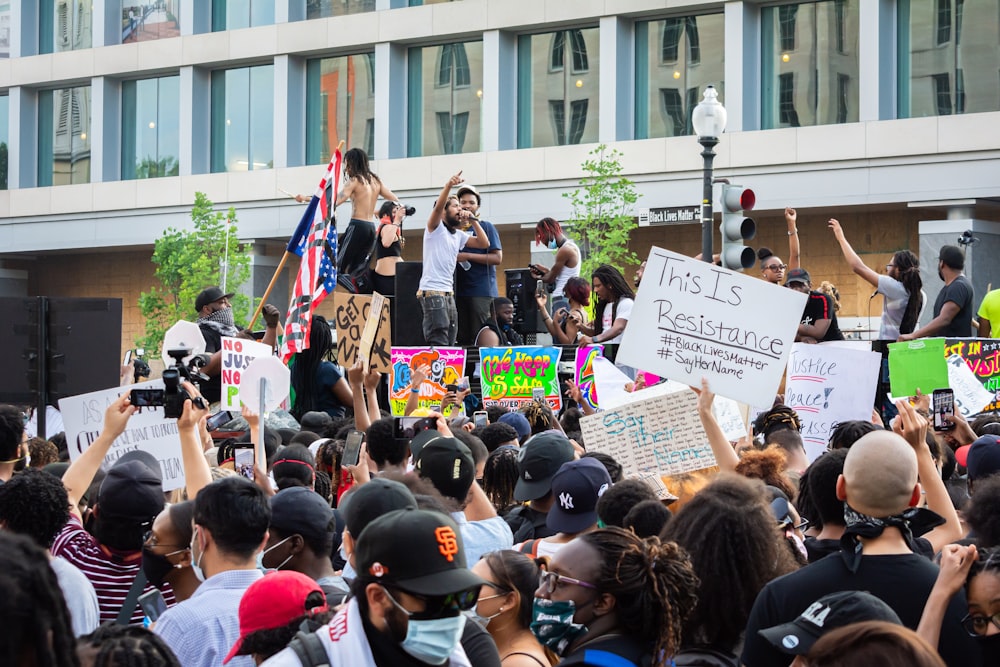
237	353
828	384
970	394
660	434
149	430
692	319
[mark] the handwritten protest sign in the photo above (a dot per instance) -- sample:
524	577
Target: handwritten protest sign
970	395
447	365
149	430
510	373
351	313
829	384
693	319
661	434
237	354
982	356
584	374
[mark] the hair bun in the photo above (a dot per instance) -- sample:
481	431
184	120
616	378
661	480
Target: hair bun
763	253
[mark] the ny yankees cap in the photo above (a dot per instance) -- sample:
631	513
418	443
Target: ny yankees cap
538	461
828	613
576	487
418	551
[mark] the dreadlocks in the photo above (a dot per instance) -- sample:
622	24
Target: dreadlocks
356	166
613	279
778	417
306	364
128	646
653	583
547	228
500	477
908	269
37	628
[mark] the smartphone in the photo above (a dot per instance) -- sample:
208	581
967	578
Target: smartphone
481	418
538	394
463	384
243	460
540	288
943	401
127	358
451	388
152	604
146	398
352	448
408	427
218	419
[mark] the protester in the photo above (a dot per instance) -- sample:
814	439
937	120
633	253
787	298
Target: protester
647	518
319	384
616	502
443	240
982	460
518	422
500	477
819	319
872	643
11	440
989	315
113	645
566	265
952	315
294	466
166	551
498	329
388	453
982	513
497	435
389	247
363	189
538	461
504	608
614	306
564	323
476	276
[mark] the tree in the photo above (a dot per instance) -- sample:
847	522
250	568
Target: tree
150	167
602	211
188	262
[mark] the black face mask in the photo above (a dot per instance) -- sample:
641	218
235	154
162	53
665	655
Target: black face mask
990	647
156	567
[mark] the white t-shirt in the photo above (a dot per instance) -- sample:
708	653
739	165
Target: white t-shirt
894	306
623	312
440	252
81	600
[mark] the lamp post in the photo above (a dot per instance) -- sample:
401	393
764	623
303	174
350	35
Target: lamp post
709	121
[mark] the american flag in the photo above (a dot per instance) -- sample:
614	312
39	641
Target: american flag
315	241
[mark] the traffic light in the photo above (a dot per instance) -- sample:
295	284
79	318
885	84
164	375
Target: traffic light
737	228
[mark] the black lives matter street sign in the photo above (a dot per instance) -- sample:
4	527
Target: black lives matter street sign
672	215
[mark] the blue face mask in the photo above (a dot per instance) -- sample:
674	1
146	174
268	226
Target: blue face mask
431	640
552	244
199	574
260	557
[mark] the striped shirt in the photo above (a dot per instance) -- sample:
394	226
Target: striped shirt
111	574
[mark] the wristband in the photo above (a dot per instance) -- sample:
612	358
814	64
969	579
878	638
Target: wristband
793	232
415	391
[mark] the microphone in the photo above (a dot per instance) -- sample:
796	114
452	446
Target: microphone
874	294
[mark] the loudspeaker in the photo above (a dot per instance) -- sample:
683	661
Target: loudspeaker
407	316
521	291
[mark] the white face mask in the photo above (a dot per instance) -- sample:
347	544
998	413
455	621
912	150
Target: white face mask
196	562
261	554
474	615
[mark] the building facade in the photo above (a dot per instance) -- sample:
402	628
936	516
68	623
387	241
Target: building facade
882	113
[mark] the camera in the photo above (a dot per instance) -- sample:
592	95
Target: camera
173	395
408	210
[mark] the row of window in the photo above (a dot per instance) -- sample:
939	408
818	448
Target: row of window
809	74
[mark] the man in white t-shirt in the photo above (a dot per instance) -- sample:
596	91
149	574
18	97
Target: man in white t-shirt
443	239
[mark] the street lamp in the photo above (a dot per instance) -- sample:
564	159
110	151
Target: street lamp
709	121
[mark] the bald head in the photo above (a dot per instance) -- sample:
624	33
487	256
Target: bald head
880	474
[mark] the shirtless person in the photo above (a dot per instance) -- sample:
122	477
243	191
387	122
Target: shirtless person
363	189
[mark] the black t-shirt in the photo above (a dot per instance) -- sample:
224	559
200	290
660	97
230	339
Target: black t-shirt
212	388
820	307
820	549
903	582
960	293
527	523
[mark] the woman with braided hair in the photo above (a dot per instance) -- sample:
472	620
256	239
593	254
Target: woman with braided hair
610	597
113	645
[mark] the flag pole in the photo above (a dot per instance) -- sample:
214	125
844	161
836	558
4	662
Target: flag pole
277	272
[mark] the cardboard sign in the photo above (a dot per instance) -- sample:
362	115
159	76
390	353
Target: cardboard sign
692	319
237	354
982	356
661	434
149	430
351	314
510	373
584	372
447	367
829	384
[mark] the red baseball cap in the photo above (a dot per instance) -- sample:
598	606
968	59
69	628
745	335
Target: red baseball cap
277	599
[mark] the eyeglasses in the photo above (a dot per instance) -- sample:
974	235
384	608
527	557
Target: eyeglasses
775	267
889	267
147	542
978	625
438	606
550	581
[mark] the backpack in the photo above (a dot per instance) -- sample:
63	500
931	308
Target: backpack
307	645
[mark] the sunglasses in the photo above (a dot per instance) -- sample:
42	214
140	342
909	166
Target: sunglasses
776	267
438	606
550	581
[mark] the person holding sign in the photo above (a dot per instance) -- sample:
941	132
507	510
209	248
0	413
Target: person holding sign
319	384
900	286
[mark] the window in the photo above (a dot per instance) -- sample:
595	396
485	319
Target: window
786	26
671	71
243	119
236	14
4	156
843	97
150	127
5	30
64	25
840	8
64	136
554	102
786	100
942	21
153	20
340	104
444	99
942	94
960	91
319	9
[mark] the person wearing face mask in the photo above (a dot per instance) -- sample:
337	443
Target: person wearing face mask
549	233
231	516
300	538
166	551
611	597
407	601
504	608
499	331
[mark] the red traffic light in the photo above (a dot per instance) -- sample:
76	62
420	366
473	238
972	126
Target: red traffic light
736	198
747	199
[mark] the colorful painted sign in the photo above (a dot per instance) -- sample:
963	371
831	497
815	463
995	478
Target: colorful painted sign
447	366
584	374
509	374
982	356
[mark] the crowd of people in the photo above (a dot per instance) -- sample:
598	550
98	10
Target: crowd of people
358	540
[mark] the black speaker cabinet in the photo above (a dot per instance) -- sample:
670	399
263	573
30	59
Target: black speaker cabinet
407	317
521	290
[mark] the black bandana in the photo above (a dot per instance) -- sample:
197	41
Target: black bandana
221	321
912	523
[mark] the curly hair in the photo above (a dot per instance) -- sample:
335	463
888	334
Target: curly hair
128	646
730	533
777	418
500	477
829	289
611	465
653	583
767	465
494	435
618	500
873	643
981	513
647	518
42	452
35	504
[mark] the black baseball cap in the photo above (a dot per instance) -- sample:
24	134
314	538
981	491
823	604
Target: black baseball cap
132	490
418	551
365	503
983	457
315	421
576	487
448	464
797	276
537	461
210	295
420	440
828	613
301	511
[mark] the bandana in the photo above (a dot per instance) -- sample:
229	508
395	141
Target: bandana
912	523
221	321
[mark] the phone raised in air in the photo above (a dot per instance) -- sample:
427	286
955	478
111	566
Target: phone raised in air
540	288
407	427
243	460
943	403
146	398
218	419
152	604
352	448
480	418
538	394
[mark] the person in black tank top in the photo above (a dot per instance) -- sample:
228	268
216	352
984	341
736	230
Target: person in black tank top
388	247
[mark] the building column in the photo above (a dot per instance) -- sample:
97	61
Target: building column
876	61
390	82
105	149
742	68
981	267
24	28
22	170
617	79
196	122
499	106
